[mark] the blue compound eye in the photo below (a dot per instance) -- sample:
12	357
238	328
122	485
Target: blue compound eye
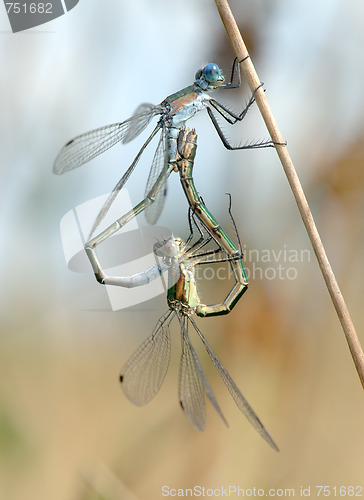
212	72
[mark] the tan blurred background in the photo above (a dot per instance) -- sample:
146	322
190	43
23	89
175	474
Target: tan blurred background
66	429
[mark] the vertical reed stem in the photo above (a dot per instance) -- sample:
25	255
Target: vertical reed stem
287	164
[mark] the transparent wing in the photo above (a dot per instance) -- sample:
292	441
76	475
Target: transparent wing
106	206
144	372
239	399
191	390
159	164
140	119
193	382
85	147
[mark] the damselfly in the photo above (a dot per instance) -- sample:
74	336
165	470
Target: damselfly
143	374
174	111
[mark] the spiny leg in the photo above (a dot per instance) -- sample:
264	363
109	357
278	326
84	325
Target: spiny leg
226	143
204	239
229	115
217	254
235	68
232	117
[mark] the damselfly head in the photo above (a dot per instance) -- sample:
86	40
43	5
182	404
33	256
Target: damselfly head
209	77
169	249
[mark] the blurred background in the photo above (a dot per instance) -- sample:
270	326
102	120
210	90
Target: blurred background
66	429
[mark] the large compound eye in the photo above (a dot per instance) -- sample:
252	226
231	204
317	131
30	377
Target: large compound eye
212	72
198	74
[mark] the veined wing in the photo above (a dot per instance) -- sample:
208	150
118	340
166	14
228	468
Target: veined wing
239	399
159	164
85	147
140	119
106	206
144	372
191	391
193	382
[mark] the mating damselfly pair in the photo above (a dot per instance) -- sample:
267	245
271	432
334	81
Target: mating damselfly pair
175	151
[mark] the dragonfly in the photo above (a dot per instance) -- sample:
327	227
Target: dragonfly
143	374
173	113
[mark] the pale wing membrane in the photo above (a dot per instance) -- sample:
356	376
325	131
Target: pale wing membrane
140	119
193	382
159	164
144	372
85	147
191	388
209	391
106	206
239	399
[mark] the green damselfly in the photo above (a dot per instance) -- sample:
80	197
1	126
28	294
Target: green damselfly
143	374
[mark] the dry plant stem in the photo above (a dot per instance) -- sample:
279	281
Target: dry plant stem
262	102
